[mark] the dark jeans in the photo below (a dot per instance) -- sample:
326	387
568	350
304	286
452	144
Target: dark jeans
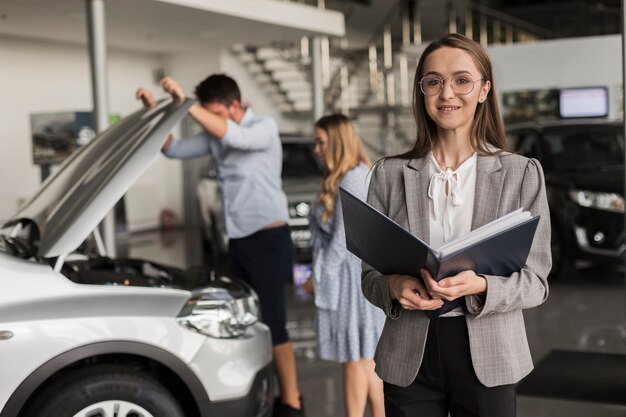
446	381
265	261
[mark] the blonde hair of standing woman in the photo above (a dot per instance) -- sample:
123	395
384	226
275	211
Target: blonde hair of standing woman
344	152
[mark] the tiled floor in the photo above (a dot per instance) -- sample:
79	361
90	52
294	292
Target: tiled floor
586	314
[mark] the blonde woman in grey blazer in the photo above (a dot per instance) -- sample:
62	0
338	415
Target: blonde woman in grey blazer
456	178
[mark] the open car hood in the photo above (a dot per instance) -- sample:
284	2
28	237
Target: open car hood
72	201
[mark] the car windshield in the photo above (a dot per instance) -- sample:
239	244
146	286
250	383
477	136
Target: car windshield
583	147
299	161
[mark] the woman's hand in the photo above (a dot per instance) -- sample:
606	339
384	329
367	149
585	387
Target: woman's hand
171	87
411	293
308	286
451	288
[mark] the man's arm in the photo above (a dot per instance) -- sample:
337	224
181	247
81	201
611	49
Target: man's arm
213	124
189	148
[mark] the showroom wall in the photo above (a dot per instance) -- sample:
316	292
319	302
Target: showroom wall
44	77
577	62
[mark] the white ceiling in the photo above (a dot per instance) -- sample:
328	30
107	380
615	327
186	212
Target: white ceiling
169	25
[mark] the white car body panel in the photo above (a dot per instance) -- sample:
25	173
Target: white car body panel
112	313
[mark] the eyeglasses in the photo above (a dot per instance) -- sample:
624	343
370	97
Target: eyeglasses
462	84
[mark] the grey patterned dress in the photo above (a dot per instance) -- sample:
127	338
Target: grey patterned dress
348	326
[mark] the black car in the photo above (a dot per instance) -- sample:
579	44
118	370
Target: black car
583	161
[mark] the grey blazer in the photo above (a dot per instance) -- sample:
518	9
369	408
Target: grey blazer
497	337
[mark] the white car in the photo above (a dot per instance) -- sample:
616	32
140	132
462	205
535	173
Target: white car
86	336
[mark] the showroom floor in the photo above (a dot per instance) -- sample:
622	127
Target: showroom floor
583	315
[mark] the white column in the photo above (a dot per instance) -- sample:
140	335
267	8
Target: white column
96	32
317	78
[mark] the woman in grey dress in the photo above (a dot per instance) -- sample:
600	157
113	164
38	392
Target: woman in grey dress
348	327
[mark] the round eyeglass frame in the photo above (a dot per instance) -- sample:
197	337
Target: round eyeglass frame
443	80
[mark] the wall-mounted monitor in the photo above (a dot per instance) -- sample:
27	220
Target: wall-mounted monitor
56	135
584	102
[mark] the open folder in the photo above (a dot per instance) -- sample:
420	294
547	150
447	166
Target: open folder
500	247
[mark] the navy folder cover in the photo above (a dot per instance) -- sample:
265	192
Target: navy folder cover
391	249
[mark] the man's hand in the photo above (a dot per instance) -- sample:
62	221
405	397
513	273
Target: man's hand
411	293
148	101
171	87
460	285
146	98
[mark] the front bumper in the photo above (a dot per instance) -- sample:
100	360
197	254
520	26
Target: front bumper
599	235
585	246
256	403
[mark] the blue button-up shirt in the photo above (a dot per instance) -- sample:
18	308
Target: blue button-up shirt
249	161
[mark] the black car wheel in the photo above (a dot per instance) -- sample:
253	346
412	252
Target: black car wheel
104	391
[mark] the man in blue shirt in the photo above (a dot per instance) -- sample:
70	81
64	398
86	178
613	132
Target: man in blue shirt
248	153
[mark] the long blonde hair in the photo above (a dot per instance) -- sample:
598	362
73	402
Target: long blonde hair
344	152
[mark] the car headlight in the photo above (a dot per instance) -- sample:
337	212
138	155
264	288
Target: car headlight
301	209
216	313
601	201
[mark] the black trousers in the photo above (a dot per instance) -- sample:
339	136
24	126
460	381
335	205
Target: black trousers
265	261
446	382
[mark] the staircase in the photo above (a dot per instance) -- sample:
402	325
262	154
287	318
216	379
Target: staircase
282	71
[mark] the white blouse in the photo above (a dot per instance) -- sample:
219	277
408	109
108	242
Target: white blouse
451	204
451	212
